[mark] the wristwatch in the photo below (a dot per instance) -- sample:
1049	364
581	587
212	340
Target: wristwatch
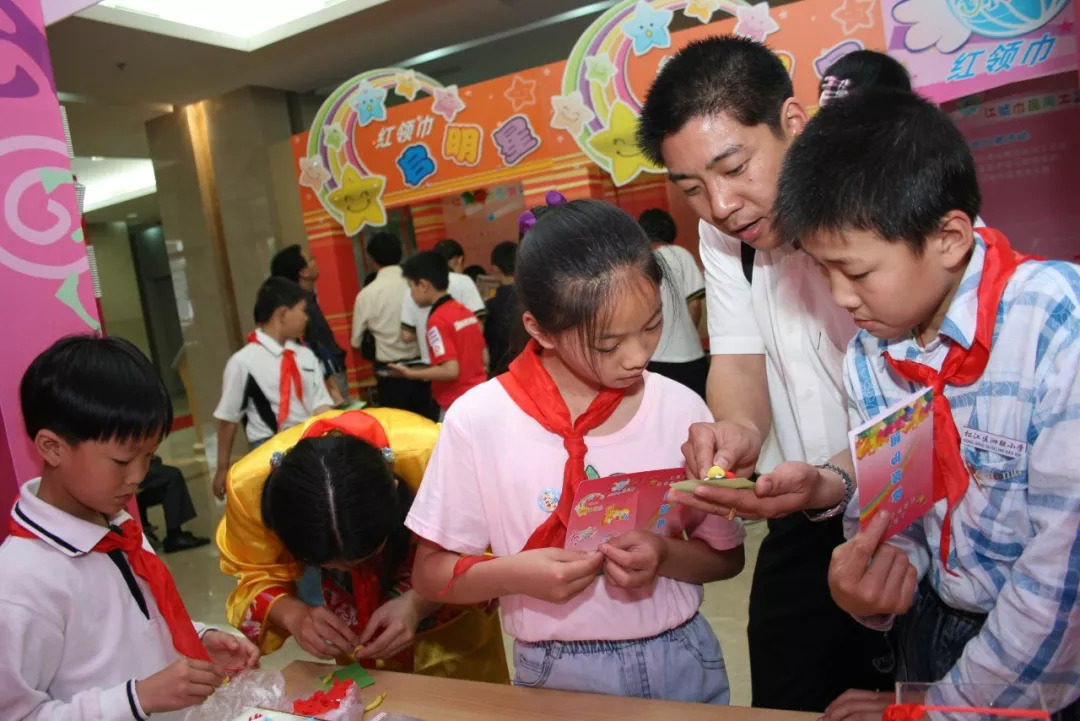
849	492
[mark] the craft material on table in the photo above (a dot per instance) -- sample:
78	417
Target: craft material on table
322	702
353	672
716	477
893	456
608	507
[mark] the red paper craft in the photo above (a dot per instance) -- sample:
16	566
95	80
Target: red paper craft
915	712
322	702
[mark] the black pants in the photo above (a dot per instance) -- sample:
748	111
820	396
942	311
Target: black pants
692	374
165	485
804	650
408	395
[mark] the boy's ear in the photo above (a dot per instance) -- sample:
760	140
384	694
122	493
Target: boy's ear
50	447
532	327
279	313
956	239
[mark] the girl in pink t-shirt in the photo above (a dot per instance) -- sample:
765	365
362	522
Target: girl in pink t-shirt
623	619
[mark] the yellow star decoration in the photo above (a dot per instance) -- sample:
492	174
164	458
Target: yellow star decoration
359	199
788	60
618	145
406	84
703	10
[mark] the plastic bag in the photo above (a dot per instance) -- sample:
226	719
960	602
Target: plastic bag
254	688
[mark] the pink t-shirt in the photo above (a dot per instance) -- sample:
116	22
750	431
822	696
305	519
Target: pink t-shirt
495	469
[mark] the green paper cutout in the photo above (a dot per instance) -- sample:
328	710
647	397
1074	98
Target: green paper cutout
353	672
68	294
53	178
77	235
591	473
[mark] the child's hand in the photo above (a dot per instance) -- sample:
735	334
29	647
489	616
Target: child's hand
868	578
856	705
219	483
320	632
397	370
397	620
553	574
232	653
633	559
185	683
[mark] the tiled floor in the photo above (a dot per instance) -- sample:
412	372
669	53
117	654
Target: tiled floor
205	588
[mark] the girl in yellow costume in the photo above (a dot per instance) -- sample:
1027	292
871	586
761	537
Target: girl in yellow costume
330	490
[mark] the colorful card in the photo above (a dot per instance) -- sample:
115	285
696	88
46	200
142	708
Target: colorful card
608	507
893	456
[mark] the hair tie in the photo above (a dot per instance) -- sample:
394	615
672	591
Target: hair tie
276	458
528	219
833	88
554	197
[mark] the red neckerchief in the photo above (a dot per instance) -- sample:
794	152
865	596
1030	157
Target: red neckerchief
290	379
532	388
151	569
962	367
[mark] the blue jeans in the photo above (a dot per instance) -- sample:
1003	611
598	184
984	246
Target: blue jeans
683	664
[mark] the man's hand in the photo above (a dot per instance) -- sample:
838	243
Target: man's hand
397	370
229	652
791	487
732	446
856	705
869	578
633	559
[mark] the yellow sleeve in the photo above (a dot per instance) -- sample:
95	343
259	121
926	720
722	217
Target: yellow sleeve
412	439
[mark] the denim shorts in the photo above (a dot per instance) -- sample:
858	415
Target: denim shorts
683	664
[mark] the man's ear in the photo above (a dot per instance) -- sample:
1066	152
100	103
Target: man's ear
793	118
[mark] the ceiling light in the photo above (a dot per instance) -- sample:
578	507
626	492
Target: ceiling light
132	216
96	158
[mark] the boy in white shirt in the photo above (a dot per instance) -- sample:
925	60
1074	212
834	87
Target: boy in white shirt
257	374
93	627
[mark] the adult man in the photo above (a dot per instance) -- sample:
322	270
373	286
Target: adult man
297	265
720	116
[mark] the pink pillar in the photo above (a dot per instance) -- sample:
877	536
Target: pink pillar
45	286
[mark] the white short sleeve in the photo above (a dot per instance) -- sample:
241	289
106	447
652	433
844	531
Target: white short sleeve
463	290
315	393
359	320
732	327
449	508
693	279
410	314
230	408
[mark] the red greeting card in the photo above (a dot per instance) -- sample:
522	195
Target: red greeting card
608	507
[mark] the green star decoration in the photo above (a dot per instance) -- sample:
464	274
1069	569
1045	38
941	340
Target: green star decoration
334	137
600	69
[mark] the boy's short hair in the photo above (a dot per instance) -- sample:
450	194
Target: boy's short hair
429	266
722	74
276	293
504	257
89	388
449	249
883	161
658	225
385	249
289	263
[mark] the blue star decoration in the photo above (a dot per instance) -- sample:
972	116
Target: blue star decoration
369	103
648	28
416	164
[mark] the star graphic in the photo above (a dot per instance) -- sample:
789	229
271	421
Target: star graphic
702	10
1065	28
571	113
359	200
312	174
854	14
447	103
618	145
369	103
755	22
648	28
521	93
406	85
334	136
600	70
788	60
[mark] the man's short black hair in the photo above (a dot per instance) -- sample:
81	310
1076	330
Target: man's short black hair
385	249
429	266
883	161
449	249
722	74
504	257
658	225
288	263
276	293
89	388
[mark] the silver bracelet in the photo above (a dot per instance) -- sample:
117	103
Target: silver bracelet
849	492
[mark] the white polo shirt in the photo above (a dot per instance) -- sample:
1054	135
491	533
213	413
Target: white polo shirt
261	362
790	316
378	309
461	288
73	639
683	282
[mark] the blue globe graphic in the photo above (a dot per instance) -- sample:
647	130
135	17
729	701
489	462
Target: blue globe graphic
1005	18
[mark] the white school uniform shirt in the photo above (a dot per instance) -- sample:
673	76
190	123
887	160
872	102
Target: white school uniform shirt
789	315
461	288
262	362
73	640
683	282
378	309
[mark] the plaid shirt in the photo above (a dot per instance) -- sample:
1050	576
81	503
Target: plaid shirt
1016	532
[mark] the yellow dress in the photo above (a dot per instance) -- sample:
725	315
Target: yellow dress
466	642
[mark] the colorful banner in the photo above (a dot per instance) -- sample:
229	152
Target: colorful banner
954	48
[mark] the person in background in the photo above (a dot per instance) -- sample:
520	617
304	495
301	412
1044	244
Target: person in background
862	70
453	253
92	626
679	356
165	485
474	272
295	264
455	340
504	318
377	311
256	374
